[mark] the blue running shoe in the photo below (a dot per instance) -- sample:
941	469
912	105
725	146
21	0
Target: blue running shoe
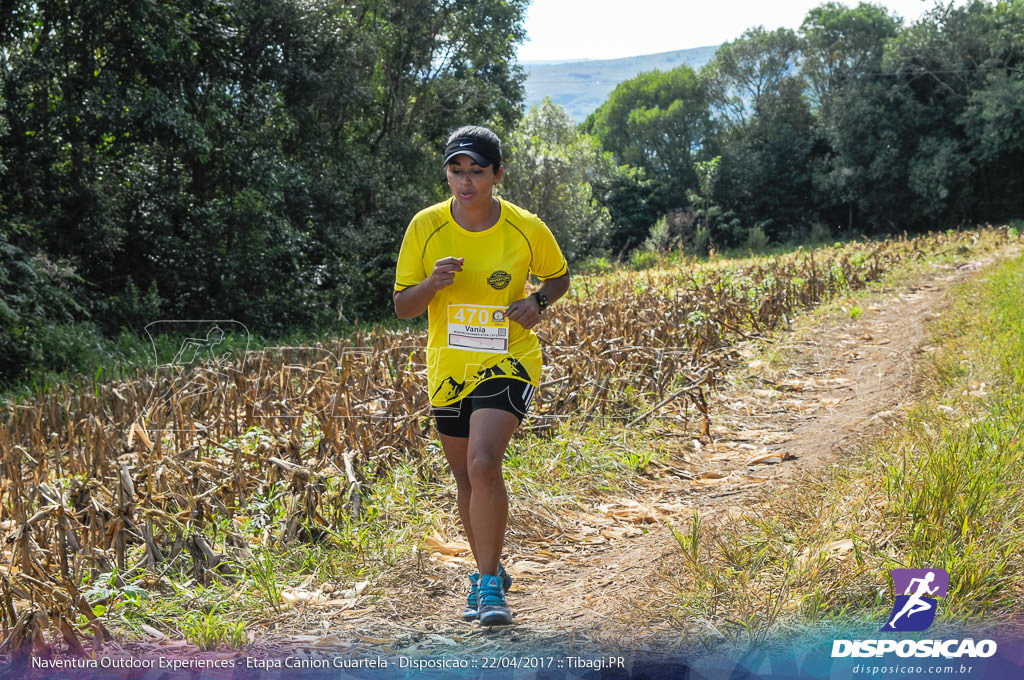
469	613
491	606
506	580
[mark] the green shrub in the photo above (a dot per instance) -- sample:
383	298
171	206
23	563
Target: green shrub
644	259
701	241
757	240
820	233
660	238
593	265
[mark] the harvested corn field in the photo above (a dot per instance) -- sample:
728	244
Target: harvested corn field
171	473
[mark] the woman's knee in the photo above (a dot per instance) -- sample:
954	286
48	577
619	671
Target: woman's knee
484	467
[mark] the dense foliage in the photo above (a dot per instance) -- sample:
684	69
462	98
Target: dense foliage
254	160
257	160
551	167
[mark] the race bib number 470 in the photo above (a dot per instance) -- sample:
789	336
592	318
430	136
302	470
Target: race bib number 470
477	328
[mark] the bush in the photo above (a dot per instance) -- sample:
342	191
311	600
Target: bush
38	312
820	233
644	259
593	265
660	238
757	240
701	241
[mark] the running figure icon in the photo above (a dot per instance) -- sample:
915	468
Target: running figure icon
916	604
916	592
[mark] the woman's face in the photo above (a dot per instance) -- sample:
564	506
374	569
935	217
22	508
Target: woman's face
471	185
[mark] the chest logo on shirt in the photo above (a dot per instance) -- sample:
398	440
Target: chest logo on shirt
499	280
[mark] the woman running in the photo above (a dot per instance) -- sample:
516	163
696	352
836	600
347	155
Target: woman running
466	262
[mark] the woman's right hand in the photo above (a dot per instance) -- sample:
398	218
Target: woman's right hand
444	272
412	302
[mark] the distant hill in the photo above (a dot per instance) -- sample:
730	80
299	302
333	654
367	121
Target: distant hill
581	86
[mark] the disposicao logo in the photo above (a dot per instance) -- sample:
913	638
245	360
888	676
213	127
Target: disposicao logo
916	591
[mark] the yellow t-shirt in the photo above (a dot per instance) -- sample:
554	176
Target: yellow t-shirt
470	341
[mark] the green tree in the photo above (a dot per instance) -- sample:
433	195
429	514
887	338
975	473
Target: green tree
842	45
654	122
151	150
634	205
399	77
843	51
914	132
550	169
765	135
993	115
747	72
246	159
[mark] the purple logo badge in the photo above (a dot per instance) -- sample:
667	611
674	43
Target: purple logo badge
916	592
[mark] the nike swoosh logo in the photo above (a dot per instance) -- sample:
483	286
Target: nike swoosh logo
466	144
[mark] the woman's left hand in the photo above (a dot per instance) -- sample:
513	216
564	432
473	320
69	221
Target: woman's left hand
525	312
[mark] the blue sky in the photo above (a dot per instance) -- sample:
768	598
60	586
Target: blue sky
608	29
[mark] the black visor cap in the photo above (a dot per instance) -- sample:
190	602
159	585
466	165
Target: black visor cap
484	152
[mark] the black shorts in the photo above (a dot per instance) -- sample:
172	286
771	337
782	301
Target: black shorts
504	394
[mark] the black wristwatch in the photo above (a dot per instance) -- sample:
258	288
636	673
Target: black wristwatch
542	300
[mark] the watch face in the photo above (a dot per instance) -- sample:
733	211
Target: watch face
542	299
